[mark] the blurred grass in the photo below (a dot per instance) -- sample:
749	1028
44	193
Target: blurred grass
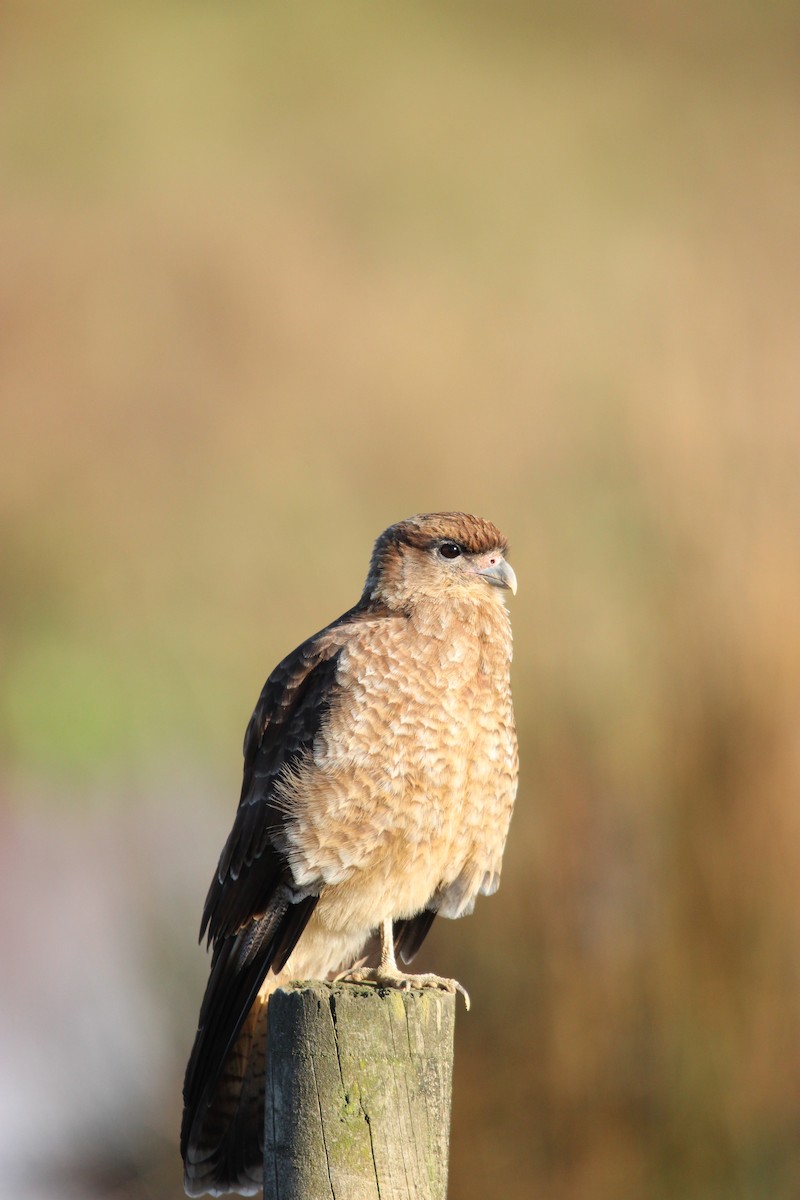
276	277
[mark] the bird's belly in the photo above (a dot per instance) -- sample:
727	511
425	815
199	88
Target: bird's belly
412	797
396	877
383	842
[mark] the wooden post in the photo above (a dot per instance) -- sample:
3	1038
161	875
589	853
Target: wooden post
358	1092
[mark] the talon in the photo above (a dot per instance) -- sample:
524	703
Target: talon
353	975
383	977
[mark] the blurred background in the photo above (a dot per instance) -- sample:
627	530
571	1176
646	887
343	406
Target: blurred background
274	276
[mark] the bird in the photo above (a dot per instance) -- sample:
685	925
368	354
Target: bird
380	772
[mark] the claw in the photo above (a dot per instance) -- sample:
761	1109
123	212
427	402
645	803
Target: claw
383	977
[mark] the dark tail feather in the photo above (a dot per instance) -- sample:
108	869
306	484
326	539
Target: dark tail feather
222	1140
410	933
221	1135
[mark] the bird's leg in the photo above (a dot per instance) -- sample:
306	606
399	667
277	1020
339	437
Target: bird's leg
387	974
388	960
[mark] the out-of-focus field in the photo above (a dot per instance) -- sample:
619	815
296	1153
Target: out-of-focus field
274	276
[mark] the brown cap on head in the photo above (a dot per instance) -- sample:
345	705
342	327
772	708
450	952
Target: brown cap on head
475	534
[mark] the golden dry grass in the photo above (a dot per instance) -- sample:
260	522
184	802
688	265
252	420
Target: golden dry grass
273	278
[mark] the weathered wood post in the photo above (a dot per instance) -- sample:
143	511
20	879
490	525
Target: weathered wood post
358	1091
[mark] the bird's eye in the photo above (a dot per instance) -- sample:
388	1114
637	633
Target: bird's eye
449	549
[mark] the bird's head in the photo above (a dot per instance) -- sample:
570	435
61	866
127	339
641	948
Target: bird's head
447	557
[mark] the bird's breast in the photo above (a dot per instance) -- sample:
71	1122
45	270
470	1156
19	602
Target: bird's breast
412	772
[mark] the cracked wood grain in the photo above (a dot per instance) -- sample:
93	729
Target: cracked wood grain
359	1085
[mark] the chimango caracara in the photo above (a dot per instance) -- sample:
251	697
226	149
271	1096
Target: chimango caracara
380	768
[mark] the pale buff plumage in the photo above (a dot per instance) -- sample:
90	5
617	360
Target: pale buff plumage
380	773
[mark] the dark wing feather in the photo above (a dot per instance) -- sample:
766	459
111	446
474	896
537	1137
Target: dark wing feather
254	913
295	700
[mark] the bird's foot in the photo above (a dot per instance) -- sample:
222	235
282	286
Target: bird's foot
388	978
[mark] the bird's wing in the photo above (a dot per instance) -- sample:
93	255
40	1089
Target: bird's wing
294	702
254	913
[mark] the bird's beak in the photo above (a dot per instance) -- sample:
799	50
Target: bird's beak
500	574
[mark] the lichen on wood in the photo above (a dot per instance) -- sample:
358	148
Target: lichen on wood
359	1085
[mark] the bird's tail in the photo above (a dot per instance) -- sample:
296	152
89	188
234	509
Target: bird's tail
222	1137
